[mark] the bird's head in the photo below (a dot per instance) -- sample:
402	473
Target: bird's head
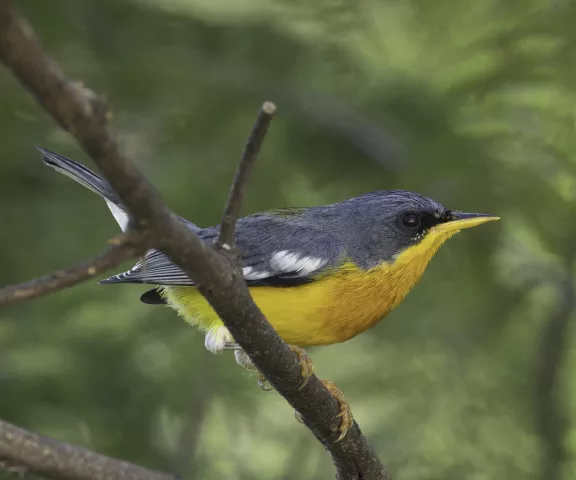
406	226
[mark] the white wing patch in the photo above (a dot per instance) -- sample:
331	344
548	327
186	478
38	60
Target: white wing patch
286	261
251	274
119	215
216	339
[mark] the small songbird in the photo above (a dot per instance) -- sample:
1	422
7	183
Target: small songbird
321	275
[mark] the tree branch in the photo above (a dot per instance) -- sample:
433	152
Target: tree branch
54	459
84	115
249	155
60	279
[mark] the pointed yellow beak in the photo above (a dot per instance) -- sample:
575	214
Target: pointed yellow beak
460	221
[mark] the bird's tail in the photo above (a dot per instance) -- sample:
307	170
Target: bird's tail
90	180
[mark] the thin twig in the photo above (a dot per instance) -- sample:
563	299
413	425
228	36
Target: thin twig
84	115
54	459
61	279
251	149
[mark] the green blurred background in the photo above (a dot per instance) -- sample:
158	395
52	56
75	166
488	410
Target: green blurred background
472	103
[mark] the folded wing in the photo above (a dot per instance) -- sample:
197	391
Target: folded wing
277	252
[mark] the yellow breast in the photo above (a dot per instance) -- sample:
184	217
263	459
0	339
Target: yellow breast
329	310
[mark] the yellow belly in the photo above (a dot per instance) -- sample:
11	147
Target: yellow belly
326	311
330	310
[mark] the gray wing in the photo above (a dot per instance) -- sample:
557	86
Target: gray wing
275	251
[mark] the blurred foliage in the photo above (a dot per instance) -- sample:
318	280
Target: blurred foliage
472	103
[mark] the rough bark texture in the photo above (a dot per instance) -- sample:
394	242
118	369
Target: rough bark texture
51	458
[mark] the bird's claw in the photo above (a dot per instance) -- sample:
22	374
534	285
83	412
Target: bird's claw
306	366
345	411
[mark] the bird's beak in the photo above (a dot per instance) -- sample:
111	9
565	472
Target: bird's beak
460	221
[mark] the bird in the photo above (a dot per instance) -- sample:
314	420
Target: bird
321	274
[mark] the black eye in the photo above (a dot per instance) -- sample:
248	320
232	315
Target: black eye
411	220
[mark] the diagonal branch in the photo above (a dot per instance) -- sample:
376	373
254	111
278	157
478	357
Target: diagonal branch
84	115
124	249
251	150
54	459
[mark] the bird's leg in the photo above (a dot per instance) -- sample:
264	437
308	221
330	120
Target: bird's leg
219	339
243	360
232	346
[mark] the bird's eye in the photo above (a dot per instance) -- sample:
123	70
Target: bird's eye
411	220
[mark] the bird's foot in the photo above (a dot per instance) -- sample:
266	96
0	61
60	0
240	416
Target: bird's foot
306	366
243	360
345	411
